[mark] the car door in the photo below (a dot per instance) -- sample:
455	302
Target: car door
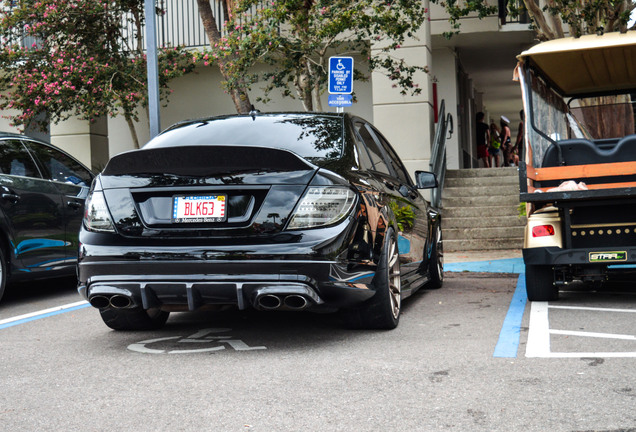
72	180
404	200
32	211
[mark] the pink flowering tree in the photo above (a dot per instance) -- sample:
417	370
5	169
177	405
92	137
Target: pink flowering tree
296	37
79	58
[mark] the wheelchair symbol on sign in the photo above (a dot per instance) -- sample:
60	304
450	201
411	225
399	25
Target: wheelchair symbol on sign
201	337
340	66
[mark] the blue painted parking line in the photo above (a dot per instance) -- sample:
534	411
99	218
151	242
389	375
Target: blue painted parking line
10	322
508	343
509	265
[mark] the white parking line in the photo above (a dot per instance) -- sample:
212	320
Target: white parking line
9	322
539	333
593	335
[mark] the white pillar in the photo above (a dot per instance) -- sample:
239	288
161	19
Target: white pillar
407	121
86	141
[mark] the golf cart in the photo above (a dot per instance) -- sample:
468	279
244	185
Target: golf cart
577	173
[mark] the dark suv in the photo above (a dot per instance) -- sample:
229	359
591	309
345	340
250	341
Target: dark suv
42	193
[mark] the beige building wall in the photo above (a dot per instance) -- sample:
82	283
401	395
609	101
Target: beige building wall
407	121
444	73
87	141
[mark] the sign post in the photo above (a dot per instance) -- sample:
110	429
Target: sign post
340	82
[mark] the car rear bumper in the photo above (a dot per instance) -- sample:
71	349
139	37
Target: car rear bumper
610	256
191	285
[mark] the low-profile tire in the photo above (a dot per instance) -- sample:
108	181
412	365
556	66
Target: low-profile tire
134	318
436	262
540	283
382	311
3	272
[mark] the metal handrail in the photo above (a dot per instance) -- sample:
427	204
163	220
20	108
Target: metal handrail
438	153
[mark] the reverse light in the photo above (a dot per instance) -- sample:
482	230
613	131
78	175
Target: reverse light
542	231
322	206
96	215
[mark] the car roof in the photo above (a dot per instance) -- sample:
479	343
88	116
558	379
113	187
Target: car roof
590	64
254	114
4	134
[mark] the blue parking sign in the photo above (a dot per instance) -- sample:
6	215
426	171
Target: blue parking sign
340	75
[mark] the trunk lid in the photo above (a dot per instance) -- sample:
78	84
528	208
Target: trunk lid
258	186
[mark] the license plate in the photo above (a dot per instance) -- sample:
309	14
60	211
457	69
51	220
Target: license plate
199	209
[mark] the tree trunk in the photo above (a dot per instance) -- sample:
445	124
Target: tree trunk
304	88
543	28
239	94
133	131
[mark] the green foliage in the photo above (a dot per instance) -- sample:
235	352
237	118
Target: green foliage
522	209
404	215
79	60
294	38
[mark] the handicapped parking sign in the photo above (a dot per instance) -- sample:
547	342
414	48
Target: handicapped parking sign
340	75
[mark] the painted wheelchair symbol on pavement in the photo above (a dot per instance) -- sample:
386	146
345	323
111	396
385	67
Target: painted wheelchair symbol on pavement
201	337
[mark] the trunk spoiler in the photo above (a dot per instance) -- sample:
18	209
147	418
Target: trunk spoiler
205	160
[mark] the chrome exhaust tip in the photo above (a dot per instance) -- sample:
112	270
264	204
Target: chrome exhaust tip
295	302
99	301
269	302
120	301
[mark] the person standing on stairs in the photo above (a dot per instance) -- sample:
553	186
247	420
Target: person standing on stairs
483	138
506	143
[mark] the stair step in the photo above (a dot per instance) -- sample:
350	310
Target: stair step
483	222
480	209
482	244
483	181
483	172
483	201
483	233
480	212
481	190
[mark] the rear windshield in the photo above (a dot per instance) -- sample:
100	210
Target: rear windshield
313	137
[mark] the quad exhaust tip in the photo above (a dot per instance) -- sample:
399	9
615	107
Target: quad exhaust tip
116	301
294	302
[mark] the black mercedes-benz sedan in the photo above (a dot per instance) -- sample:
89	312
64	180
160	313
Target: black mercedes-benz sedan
281	211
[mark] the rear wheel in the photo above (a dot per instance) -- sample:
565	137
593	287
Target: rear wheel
134	319
3	272
436	262
540	283
382	311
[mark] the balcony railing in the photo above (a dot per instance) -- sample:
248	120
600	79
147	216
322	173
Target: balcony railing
178	23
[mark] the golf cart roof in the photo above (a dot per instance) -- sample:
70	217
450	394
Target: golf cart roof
587	65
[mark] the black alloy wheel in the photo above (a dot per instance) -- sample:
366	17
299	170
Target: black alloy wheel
3	272
436	262
382	311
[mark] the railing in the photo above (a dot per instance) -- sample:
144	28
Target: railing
438	153
178	24
507	10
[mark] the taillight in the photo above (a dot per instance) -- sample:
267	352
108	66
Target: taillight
324	205
542	231
96	215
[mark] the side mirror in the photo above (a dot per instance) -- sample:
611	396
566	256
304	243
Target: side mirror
425	180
